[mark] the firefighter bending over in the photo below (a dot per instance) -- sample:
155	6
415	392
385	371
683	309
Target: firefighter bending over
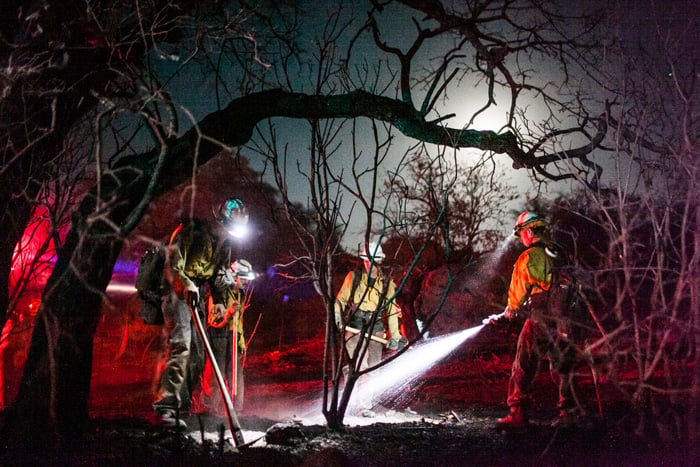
541	333
197	252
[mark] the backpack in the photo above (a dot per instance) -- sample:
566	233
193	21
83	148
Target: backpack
150	279
356	318
563	299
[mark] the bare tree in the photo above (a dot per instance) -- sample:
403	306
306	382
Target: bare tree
137	49
641	244
468	198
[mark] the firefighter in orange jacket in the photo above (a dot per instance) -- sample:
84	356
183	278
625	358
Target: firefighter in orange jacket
540	336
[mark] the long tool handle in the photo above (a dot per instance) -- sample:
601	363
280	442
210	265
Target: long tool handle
371	336
233	423
234	356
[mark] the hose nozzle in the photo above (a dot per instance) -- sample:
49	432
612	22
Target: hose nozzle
493	318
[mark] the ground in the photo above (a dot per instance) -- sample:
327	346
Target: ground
444	416
439	407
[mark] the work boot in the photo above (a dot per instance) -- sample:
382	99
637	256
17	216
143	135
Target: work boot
514	420
169	419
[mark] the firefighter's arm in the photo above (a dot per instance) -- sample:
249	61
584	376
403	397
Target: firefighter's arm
182	285
396	340
239	333
342	299
393	312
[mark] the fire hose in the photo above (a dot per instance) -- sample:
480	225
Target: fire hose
233	423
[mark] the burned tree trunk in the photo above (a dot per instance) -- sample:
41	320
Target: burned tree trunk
53	394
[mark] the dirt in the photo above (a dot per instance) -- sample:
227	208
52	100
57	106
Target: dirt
436	422
456	438
444	417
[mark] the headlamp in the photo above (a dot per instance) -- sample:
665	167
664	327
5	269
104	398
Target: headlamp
237	230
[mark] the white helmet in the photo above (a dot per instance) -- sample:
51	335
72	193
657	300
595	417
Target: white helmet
376	252
243	269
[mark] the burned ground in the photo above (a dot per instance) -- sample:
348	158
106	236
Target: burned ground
444	417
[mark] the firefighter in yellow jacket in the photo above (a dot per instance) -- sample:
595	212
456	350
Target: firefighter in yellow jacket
361	296
198	250
540	335
220	329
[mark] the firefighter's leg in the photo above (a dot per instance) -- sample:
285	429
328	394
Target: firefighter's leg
524	369
211	397
238	399
177	324
363	401
195	367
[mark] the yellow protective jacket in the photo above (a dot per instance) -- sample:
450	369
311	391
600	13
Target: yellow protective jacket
369	301
532	274
195	256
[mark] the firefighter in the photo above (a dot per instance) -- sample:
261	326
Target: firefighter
198	251
364	291
220	328
540	335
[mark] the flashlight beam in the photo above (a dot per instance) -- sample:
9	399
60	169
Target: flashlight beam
371	336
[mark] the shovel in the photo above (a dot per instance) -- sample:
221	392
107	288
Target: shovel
233	423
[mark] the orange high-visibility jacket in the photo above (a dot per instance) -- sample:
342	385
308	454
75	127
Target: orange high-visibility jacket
532	274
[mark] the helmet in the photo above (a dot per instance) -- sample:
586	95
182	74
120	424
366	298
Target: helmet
233	214
376	252
232	211
242	268
528	219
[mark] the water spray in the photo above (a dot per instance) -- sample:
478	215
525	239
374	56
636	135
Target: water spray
395	375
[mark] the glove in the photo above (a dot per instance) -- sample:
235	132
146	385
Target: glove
491	319
509	314
338	321
192	297
396	344
219	316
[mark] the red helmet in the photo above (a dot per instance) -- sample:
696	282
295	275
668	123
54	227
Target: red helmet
528	219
